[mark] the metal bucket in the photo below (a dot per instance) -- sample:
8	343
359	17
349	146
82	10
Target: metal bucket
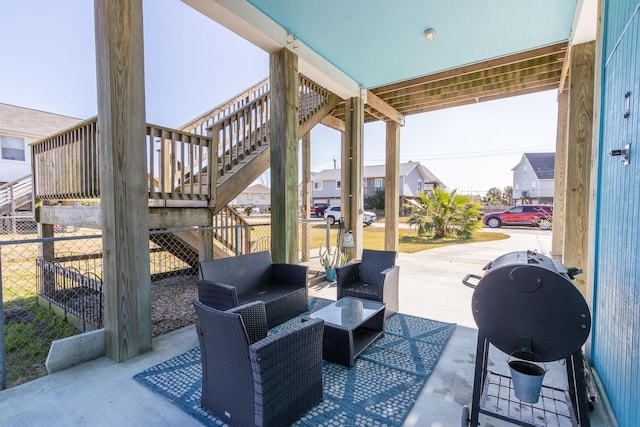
527	380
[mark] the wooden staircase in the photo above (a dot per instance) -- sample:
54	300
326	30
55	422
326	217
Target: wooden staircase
241	130
205	164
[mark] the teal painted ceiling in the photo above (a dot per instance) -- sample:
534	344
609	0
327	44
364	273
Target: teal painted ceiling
379	42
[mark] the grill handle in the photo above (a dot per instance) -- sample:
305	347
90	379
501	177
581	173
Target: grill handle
466	282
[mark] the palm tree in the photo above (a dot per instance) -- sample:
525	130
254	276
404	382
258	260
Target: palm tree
507	194
444	214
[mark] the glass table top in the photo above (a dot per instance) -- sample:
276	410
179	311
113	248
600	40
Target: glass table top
348	312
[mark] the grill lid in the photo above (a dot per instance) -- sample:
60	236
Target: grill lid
525	299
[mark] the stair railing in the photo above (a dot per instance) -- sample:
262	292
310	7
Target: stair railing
14	194
232	231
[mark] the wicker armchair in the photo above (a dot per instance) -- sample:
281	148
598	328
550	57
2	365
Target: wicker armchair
374	278
250	379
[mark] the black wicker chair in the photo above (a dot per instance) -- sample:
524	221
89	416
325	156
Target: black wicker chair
229	282
251	379
374	278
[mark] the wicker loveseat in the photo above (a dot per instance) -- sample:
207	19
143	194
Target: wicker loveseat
249	379
229	282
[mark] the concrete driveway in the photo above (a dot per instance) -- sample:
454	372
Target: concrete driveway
431	281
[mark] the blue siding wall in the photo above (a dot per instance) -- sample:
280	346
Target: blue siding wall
616	333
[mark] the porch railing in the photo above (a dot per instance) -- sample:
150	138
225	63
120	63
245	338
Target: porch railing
65	165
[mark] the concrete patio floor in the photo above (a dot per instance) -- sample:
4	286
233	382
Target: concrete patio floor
103	393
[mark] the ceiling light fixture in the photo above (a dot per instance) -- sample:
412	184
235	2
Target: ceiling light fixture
430	34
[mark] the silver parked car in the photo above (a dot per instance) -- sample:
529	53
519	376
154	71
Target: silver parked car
332	213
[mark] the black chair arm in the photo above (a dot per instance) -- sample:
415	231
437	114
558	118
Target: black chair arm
287	370
254	317
217	295
347	274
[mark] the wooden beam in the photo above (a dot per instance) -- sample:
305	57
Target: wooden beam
123	188
560	177
391	187
283	72
594	191
333	122
565	70
379	105
352	166
306	194
576	245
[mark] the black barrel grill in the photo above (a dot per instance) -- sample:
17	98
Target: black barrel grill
526	303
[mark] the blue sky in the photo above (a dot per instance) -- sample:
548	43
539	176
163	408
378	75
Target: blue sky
193	64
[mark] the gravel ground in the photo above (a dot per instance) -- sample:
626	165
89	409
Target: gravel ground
171	306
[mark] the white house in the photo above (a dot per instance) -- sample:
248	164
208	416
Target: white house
414	178
533	178
19	127
256	195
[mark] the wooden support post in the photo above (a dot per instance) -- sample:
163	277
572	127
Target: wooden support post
578	160
306	195
352	165
283	72
46	251
391	188
560	175
123	189
205	251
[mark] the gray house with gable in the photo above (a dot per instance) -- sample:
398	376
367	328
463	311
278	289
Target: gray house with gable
414	178
533	178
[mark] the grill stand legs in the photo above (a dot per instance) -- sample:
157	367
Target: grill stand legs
482	356
575	378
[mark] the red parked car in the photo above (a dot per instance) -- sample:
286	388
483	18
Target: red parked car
318	209
519	215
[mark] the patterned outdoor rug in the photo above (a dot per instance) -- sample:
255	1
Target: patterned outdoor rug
379	390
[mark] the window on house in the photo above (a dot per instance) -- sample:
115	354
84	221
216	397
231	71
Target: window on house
317	185
377	183
524	171
12	148
420	186
249	196
338	185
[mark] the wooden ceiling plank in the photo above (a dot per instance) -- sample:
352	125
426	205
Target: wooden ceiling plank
479	75
475	88
492	63
438	104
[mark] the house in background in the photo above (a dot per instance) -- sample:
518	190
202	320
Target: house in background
533	178
414	178
19	127
256	195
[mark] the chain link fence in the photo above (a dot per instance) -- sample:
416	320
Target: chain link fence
52	288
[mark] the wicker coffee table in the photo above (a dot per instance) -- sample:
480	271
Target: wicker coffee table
350	326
